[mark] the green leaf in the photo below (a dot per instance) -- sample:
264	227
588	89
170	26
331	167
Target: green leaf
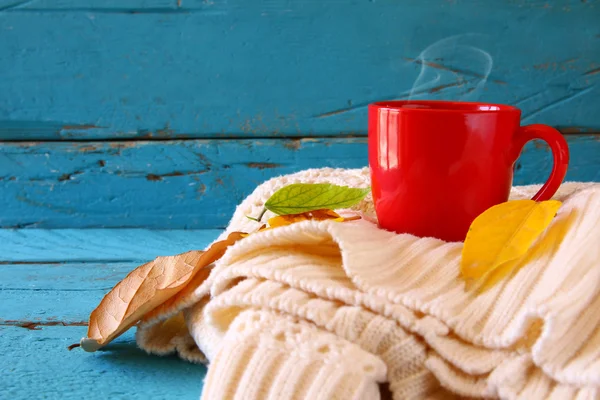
303	197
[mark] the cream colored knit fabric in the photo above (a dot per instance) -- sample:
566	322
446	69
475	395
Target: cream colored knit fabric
321	310
265	355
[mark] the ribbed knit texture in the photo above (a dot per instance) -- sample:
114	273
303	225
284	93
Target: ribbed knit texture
394	301
269	356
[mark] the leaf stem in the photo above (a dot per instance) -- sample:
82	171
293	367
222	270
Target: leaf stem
259	217
262	214
71	347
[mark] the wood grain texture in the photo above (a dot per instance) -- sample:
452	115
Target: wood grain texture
183	184
20	307
92	69
64	293
60	276
43	295
35	364
192	184
44	307
65	275
266	72
38	295
98	246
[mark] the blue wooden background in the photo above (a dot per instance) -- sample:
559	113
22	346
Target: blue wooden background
167	113
148	117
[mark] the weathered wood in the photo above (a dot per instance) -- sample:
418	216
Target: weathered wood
94	69
73	306
44	308
35	364
186	184
59	276
62	293
99	246
63	276
85	70
193	184
56	294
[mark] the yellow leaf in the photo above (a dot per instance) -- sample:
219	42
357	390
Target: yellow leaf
502	234
546	246
147	287
283	221
318	215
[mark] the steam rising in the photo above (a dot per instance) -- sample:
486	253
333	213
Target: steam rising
439	69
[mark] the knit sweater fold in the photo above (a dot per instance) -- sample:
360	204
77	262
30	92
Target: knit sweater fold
269	356
392	302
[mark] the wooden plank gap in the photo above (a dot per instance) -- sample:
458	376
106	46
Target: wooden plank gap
37	325
114	10
190	137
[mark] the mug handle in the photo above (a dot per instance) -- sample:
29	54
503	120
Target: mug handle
560	153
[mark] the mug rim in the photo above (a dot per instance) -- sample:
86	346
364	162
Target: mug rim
464	107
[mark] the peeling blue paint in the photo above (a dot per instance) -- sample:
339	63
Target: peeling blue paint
166	69
188	183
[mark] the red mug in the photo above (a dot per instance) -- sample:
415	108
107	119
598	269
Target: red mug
436	165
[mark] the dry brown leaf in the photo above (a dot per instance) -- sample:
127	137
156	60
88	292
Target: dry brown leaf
181	300
146	288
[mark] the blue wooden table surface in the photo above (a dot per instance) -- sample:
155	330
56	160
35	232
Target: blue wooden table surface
51	280
132	128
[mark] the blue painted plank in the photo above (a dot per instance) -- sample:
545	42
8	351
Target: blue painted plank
62	293
36	364
179	184
71	307
193	68
191	184
28	5
40	295
64	276
98	245
46	282
535	163
44	308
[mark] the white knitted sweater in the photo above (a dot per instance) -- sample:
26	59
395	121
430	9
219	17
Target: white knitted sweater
328	310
